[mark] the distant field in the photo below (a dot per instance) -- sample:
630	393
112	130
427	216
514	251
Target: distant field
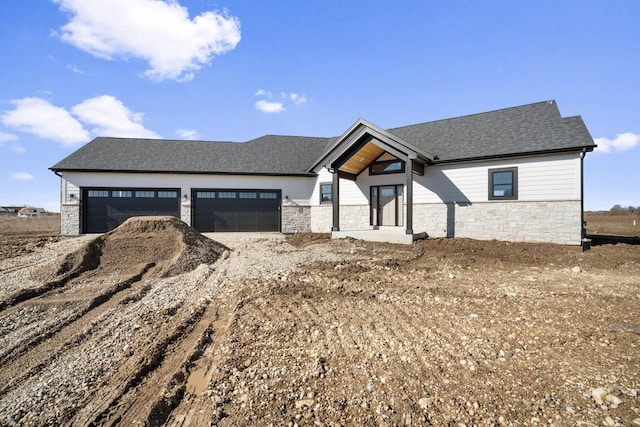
46	224
615	225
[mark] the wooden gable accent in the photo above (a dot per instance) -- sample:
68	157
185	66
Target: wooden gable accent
361	159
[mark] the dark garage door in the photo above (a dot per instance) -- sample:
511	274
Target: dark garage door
107	208
236	210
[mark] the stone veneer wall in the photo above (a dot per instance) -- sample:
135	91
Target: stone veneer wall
321	218
185	212
354	217
553	221
296	219
70	219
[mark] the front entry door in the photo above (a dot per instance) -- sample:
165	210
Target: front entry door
387	205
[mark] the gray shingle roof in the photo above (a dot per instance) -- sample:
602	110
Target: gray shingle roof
532	128
517	130
271	154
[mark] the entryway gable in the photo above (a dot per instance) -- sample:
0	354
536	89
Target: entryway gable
363	143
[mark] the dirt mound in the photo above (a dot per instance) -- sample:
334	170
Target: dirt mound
163	246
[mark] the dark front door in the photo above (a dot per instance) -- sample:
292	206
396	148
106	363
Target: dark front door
221	210
387	205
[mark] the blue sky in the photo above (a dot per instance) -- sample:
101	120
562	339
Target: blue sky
235	70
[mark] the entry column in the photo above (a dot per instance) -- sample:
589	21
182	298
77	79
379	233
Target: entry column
408	170
335	200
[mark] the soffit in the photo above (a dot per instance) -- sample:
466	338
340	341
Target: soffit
361	159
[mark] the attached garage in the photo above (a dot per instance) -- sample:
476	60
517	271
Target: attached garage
106	208
218	210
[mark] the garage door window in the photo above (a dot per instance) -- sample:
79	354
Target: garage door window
268	195
206	194
167	194
145	194
121	194
227	194
98	193
244	195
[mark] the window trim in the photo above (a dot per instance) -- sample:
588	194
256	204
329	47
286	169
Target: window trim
386	163
330	201
514	183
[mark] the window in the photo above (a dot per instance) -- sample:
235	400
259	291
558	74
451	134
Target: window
326	193
227	194
268	195
145	194
247	195
98	193
503	184
206	194
167	194
386	166
120	193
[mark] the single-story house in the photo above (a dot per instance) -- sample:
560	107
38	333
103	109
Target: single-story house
29	212
513	174
10	210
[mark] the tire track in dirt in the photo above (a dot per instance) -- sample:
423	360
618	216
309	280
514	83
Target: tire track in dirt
149	385
27	358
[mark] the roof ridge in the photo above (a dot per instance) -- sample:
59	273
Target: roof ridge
549	101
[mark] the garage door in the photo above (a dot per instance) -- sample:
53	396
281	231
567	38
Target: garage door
106	208
236	210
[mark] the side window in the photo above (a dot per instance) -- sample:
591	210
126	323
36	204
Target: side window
503	184
326	192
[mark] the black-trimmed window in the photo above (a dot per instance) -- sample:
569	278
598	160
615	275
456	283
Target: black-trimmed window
326	192
386	166
503	184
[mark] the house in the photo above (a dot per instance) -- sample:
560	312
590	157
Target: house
10	210
513	174
29	212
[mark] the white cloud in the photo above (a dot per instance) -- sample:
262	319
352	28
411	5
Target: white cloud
21	176
262	92
37	116
111	118
276	107
269	107
159	32
297	99
188	134
622	142
74	69
17	148
7	137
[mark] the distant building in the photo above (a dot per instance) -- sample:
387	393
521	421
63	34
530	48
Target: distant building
29	212
10	210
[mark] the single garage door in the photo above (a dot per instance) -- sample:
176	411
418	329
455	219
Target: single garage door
236	210
106	208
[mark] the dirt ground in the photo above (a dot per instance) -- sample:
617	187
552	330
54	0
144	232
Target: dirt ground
157	325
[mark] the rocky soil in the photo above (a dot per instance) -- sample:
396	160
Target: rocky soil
265	330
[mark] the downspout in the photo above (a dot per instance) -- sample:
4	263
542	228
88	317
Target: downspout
583	228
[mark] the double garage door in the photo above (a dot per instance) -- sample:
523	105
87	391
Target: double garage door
212	209
107	208
235	210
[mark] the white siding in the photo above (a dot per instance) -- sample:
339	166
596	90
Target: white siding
298	189
539	178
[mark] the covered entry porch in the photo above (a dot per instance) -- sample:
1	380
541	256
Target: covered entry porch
383	167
